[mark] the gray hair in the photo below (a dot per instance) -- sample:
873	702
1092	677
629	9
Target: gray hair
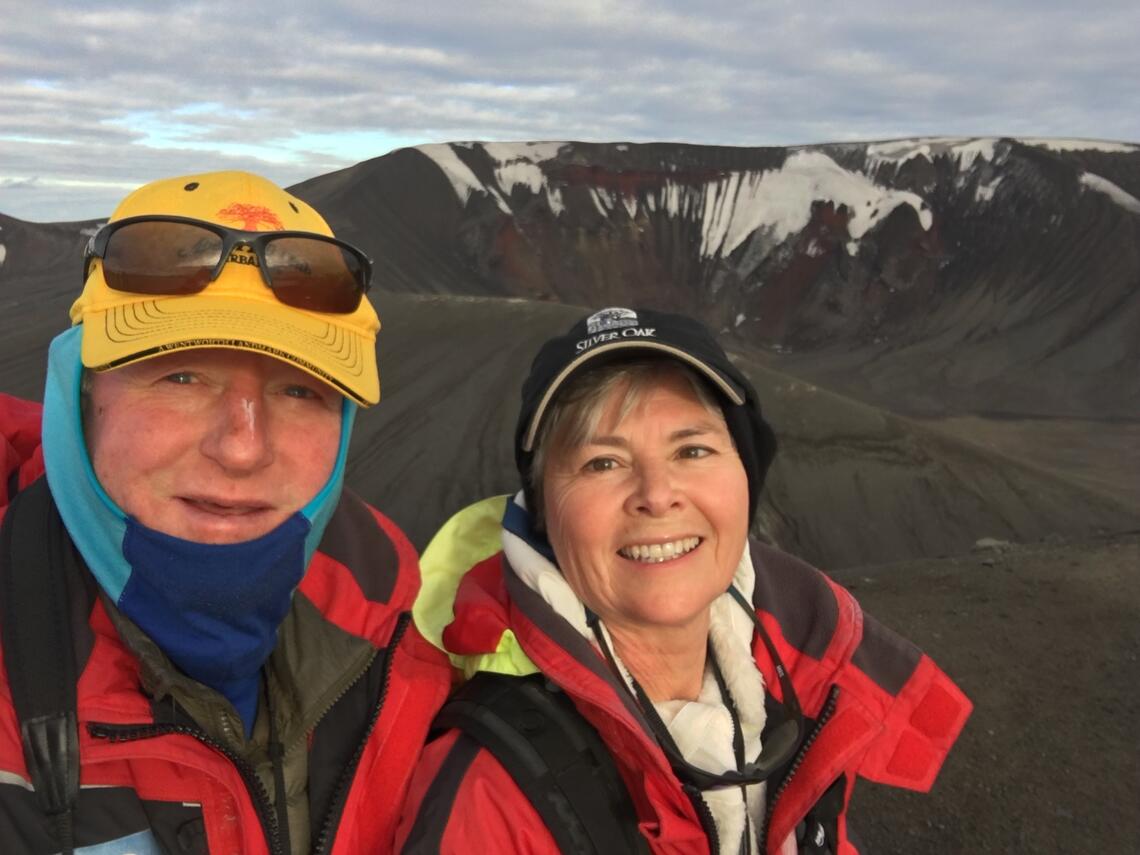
574	414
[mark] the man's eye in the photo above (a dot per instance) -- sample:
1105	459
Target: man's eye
300	392
181	378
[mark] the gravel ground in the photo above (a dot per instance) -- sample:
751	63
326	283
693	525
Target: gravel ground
1045	639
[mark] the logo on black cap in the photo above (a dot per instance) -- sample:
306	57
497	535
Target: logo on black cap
610	319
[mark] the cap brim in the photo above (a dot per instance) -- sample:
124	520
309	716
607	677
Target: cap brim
730	390
333	353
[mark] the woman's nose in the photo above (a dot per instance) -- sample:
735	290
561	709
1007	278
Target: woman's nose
655	490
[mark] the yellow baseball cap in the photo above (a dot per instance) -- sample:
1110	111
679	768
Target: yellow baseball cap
236	310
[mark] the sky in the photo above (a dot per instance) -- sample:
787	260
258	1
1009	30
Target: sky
97	98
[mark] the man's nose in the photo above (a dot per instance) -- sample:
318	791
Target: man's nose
655	490
238	435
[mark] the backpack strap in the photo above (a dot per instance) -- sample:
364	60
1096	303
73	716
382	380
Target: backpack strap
558	760
38	558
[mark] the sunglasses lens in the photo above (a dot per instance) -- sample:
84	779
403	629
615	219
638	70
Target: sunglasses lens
317	275
161	258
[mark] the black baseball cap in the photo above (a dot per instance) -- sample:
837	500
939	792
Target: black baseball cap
620	333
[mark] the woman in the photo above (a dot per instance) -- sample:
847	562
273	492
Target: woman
732	691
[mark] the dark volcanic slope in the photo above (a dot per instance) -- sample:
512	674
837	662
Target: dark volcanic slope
39	277
852	484
930	276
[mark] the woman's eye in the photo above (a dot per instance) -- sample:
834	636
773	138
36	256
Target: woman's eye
600	464
694	452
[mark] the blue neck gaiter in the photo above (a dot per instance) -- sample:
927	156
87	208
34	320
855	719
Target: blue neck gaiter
213	609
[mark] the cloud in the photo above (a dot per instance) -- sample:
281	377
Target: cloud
127	91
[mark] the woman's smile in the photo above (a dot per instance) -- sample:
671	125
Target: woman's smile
656	553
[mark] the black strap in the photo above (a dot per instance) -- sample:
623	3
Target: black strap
39	653
558	760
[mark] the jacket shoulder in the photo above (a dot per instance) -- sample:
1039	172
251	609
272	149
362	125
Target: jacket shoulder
816	618
21	456
365	570
468	538
916	709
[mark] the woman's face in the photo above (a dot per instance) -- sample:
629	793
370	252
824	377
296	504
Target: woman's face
648	518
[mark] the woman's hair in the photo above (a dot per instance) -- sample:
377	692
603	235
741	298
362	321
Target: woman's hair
574	415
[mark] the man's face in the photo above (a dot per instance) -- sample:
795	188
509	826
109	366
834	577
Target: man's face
211	445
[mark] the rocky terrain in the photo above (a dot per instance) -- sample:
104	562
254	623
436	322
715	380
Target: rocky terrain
1046	642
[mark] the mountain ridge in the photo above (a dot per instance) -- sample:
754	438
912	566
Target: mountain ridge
868	250
858	301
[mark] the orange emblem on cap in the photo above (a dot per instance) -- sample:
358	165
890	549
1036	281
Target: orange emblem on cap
252	217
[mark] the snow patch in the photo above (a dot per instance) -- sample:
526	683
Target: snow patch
554	200
3	253
968	152
515	164
601	200
1121	197
1082	145
462	179
963	149
508	175
739	320
985	192
779	201
608	201
533	152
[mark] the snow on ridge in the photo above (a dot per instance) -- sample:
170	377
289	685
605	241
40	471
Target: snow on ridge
963	149
734	206
1082	145
780	201
462	179
533	152
1102	185
515	163
985	192
3	253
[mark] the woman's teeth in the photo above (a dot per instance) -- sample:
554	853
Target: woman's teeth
655	553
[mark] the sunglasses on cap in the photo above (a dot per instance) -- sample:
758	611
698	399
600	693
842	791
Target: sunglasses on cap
160	255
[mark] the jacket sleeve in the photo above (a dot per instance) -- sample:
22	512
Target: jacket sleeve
923	711
21	457
462	800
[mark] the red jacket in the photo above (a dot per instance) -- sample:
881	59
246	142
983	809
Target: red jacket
878	708
163	782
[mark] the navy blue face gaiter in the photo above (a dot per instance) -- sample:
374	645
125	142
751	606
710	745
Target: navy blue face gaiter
215	609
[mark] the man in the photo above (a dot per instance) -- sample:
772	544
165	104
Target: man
245	676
